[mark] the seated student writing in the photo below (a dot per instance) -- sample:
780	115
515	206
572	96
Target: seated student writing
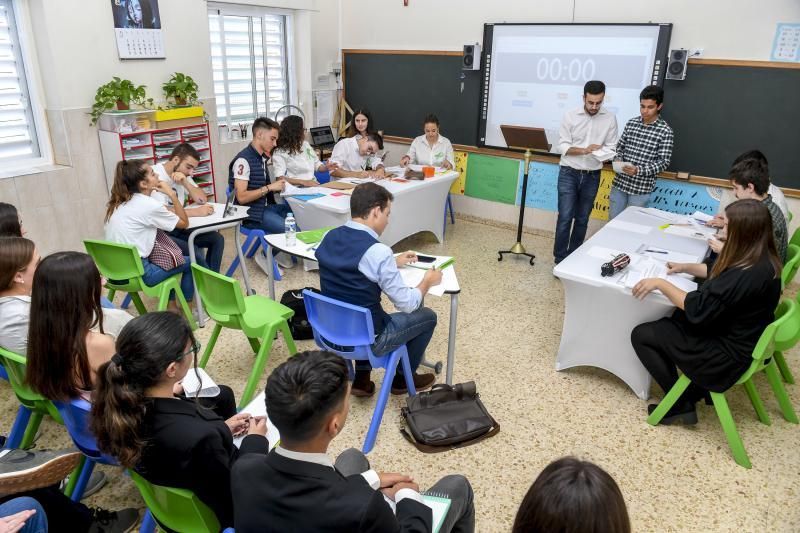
575	496
18	261
293	160
355	267
356	157
168	440
430	149
296	487
775	192
711	336
177	173
134	217
10	221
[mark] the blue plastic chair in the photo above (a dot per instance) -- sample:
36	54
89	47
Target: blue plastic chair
347	331
448	205
75	414
253	241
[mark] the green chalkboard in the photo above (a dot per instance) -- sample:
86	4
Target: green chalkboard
720	111
401	89
492	178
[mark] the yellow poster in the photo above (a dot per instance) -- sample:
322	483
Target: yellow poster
600	209
460	184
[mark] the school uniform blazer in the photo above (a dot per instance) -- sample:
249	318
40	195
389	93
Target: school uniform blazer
273	493
190	447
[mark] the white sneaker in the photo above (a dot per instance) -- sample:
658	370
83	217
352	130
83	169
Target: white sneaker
285	260
309	265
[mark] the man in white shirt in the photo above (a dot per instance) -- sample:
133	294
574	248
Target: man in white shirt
284	490
586	138
356	157
177	173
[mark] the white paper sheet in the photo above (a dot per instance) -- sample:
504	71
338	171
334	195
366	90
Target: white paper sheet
413	277
618	166
201	381
629	226
257	407
604	154
294	190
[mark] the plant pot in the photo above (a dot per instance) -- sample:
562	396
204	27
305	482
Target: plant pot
122	106
180	101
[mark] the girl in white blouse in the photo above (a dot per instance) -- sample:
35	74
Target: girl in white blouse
430	149
293	159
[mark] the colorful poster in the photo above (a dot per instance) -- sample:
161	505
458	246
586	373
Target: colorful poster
684	198
461	166
542	186
492	178
600	209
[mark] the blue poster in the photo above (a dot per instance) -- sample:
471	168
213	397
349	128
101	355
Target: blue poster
542	186
684	198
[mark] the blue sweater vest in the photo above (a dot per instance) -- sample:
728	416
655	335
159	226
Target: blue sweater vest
259	177
339	254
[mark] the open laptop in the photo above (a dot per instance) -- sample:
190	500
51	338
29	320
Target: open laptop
322	138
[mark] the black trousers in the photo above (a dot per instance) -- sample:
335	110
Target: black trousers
223	404
62	513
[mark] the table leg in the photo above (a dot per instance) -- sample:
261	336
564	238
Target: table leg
236	239
451	340
271	272
201	316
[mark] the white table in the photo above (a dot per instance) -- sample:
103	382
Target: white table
216	222
449	281
600	313
417	206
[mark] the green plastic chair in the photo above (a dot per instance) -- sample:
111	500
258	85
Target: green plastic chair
791	266
117	261
762	361
177	509
257	316
786	337
795	237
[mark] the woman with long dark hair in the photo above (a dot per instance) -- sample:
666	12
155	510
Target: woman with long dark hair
169	440
362	124
10	223
293	159
65	349
711	336
18	260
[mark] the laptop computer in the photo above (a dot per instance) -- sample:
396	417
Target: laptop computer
322	138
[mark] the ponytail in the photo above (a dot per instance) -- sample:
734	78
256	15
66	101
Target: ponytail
127	176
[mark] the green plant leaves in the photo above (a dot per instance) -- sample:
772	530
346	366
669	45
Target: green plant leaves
118	90
181	87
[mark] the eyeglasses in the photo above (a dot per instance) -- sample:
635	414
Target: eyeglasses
194	349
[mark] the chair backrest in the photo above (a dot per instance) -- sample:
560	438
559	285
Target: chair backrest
177	509
15	366
337	324
765	346
75	413
789	332
221	295
115	261
795	237
792	264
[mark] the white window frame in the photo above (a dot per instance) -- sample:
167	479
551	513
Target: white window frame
223	9
29	165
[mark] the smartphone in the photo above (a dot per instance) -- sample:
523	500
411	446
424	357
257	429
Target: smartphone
425	258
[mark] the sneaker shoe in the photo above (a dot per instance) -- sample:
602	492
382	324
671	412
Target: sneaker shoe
421	382
22	470
122	521
285	261
96	482
362	386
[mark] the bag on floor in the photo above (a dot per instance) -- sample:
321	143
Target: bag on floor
298	324
446	417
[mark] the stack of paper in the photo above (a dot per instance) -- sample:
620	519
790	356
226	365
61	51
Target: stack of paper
656	269
293	190
258	407
198	383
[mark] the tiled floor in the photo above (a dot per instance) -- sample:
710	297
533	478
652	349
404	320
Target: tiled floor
509	324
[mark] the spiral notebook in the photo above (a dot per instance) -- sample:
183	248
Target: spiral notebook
438	502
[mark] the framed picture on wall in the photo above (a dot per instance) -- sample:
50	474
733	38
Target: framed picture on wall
137	26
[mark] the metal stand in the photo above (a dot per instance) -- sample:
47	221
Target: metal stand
518	248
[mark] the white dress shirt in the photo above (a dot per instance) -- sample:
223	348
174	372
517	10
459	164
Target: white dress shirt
180	190
347	156
580	129
136	221
422	153
300	165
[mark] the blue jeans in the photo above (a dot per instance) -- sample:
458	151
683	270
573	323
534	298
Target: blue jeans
36	523
213	242
576	192
154	274
619	201
413	329
272	219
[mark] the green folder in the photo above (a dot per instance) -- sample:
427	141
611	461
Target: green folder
314	235
439	505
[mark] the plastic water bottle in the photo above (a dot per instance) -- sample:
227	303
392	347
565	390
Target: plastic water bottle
290	227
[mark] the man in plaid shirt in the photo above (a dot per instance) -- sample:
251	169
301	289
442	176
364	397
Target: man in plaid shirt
646	143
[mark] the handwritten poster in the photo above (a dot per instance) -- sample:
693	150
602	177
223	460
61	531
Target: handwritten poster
684	198
542	186
601	201
459	185
492	178
786	45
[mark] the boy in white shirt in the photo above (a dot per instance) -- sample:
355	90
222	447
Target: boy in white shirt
356	157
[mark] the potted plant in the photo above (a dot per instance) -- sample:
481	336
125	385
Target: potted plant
181	88
118	93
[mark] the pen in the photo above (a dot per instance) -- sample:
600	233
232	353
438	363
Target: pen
657	251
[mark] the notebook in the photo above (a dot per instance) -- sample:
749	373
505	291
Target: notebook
439	504
200	381
314	235
439	262
257	407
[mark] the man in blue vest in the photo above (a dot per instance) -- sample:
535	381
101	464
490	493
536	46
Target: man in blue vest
355	267
249	179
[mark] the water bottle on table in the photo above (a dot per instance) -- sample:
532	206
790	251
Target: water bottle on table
290	227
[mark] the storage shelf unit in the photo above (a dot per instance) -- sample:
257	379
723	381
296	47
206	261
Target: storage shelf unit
155	147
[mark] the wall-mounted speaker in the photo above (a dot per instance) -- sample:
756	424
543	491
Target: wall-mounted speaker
471	60
676	66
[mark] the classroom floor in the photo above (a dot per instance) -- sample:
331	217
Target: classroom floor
509	325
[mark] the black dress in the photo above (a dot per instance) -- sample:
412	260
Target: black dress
712	339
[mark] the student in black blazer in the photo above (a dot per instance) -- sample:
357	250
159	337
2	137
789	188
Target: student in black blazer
169	440
297	488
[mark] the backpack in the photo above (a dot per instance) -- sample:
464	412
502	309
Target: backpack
298	324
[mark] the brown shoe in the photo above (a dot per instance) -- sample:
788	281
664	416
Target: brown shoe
421	382
362	387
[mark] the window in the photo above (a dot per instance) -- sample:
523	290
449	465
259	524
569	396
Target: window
249	58
18	140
